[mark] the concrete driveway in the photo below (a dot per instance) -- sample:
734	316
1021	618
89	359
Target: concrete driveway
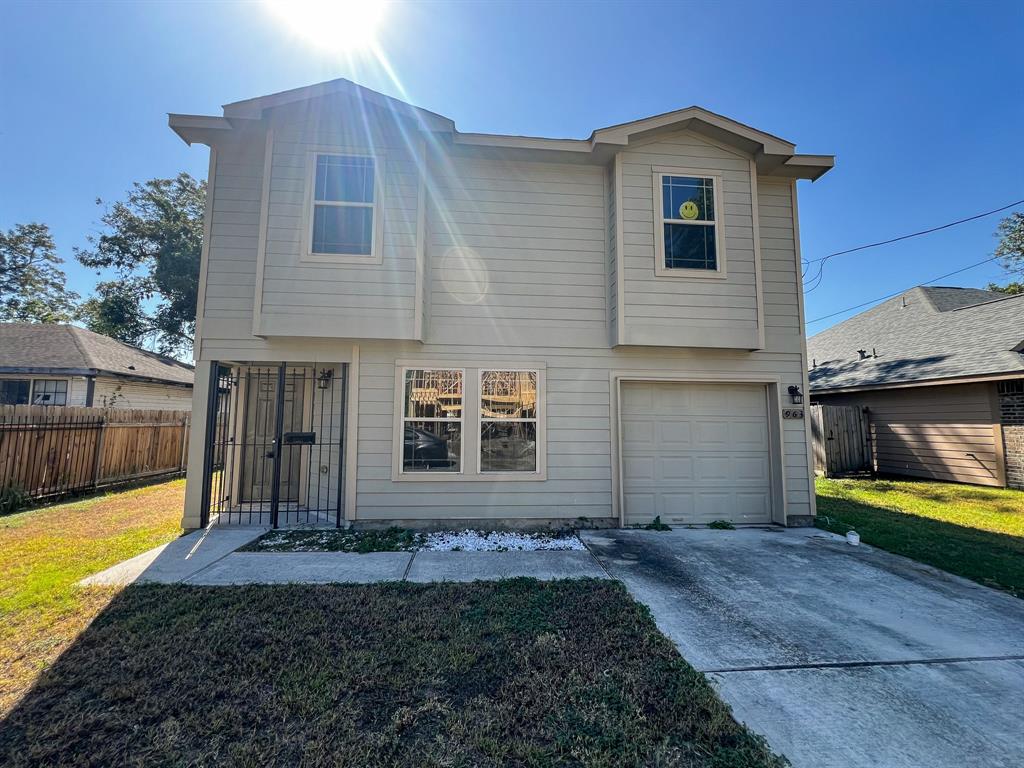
839	655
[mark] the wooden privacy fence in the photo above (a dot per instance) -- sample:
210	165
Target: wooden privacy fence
841	439
48	451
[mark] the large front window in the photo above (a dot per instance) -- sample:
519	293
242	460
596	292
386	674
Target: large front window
689	230
14	392
432	421
344	205
508	421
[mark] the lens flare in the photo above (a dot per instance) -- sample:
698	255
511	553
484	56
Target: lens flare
334	25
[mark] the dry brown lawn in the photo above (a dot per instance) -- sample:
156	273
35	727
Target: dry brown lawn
45	552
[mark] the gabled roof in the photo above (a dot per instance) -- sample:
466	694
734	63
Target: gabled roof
71	351
773	155
925	335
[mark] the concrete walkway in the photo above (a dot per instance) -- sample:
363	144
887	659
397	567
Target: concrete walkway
209	557
841	656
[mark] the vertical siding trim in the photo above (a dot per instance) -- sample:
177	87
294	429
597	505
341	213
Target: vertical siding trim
620	258
421	250
997	433
261	247
204	253
806	383
758	279
351	477
605	184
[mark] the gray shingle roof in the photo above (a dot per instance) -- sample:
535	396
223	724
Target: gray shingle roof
926	333
69	349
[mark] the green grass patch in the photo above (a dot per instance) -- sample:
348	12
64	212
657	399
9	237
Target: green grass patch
974	532
392	539
44	552
512	673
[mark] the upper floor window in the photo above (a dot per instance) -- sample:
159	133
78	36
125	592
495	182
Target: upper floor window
689	230
344	205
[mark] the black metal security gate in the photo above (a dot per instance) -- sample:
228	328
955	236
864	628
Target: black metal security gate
275	445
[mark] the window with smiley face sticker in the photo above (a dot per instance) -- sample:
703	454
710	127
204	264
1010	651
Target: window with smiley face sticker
688	218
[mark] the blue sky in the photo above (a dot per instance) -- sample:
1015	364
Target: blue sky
921	102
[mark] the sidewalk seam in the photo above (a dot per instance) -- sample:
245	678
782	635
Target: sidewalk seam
859	664
214	562
595	558
408	567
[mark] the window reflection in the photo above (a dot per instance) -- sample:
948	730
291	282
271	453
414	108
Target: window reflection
432	421
508	421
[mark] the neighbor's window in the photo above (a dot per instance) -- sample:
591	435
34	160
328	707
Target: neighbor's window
343	205
689	222
50	392
508	421
432	421
14	392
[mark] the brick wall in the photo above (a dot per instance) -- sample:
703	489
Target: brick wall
1011	411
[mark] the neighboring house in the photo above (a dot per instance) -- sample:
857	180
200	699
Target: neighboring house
399	321
49	364
942	372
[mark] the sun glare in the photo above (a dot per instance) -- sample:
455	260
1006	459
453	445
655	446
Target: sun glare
335	25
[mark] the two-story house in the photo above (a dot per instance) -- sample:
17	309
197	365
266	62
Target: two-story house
401	322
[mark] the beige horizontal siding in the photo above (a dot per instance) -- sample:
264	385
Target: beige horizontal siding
942	433
114	393
662	309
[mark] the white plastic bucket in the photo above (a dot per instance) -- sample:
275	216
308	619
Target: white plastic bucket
853	538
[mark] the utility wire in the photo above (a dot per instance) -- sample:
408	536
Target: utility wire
819	276
916	234
897	293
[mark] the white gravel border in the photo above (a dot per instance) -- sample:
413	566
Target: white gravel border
498	541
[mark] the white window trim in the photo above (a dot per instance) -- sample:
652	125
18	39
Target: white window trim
402	419
659	173
480	423
470	426
377	235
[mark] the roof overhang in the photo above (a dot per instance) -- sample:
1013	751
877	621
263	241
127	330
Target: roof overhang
89	372
199	129
981	378
773	156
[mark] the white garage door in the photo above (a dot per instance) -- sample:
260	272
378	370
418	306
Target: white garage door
693	453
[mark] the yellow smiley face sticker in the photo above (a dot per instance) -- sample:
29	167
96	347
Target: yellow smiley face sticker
689	210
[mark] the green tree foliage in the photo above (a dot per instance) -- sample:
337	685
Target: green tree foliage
153	239
32	284
1011	252
1010	289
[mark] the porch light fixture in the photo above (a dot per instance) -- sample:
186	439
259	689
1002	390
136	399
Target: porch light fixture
795	395
323	379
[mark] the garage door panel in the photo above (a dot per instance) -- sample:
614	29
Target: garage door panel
710	468
693	453
675	469
669	397
636	433
637	399
639	468
674	434
643	506
749	435
752	469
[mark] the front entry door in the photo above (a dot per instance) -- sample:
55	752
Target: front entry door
260	441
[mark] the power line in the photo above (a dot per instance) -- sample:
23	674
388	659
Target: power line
917	234
897	293
819	276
